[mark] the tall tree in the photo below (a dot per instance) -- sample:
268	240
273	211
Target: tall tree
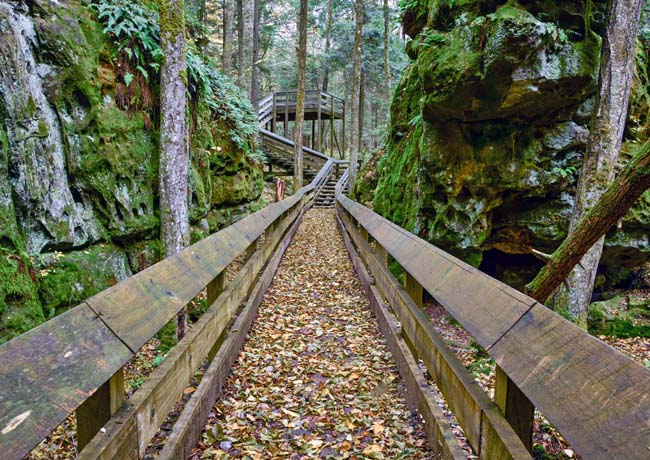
255	70
355	134
228	19
387	74
240	42
328	44
174	155
605	139
300	102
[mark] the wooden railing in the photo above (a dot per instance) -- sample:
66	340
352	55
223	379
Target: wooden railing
75	361
596	397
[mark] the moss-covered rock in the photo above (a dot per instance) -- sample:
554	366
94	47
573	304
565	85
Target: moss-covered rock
20	306
620	316
79	158
66	279
489	125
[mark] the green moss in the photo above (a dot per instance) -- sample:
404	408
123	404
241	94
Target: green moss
20	308
67	279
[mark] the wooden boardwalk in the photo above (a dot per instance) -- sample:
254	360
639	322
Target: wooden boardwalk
310	379
596	397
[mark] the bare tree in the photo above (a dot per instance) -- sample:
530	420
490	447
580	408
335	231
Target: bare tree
255	70
387	74
174	156
605	139
355	134
228	19
300	102
328	44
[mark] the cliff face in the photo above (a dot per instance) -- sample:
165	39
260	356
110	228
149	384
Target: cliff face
489	125
79	165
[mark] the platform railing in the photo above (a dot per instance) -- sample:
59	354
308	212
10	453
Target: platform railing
596	397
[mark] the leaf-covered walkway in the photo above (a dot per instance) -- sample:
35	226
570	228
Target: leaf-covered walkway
315	379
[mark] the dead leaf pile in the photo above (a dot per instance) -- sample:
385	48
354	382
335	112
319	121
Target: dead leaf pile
315	379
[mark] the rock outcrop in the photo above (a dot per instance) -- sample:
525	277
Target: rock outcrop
489	125
78	171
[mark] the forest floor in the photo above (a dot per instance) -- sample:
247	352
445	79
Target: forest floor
315	379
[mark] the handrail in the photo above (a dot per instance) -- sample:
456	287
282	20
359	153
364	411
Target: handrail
290	143
594	395
50	371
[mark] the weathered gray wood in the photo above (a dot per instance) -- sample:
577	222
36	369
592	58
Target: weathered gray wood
149	406
487	310
48	372
438	429
594	395
189	425
485	427
99	408
515	406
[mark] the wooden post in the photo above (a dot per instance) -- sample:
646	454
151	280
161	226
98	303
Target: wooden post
286	115
382	254
215	288
313	135
364	232
93	414
332	127
275	113
319	134
343	129
515	406
413	288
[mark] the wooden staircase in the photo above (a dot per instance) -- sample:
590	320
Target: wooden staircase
327	196
280	152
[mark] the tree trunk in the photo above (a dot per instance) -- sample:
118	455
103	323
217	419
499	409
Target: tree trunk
612	206
355	135
606	136
362	109
328	44
240	43
255	74
387	74
174	156
300	103
248	16
228	19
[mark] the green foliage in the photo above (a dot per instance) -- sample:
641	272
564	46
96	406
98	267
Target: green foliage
225	100
134	29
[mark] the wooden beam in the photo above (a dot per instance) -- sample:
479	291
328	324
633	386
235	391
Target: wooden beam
485	428
413	288
382	255
93	414
515	406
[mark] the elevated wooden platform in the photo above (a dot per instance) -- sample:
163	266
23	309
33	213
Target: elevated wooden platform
322	109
